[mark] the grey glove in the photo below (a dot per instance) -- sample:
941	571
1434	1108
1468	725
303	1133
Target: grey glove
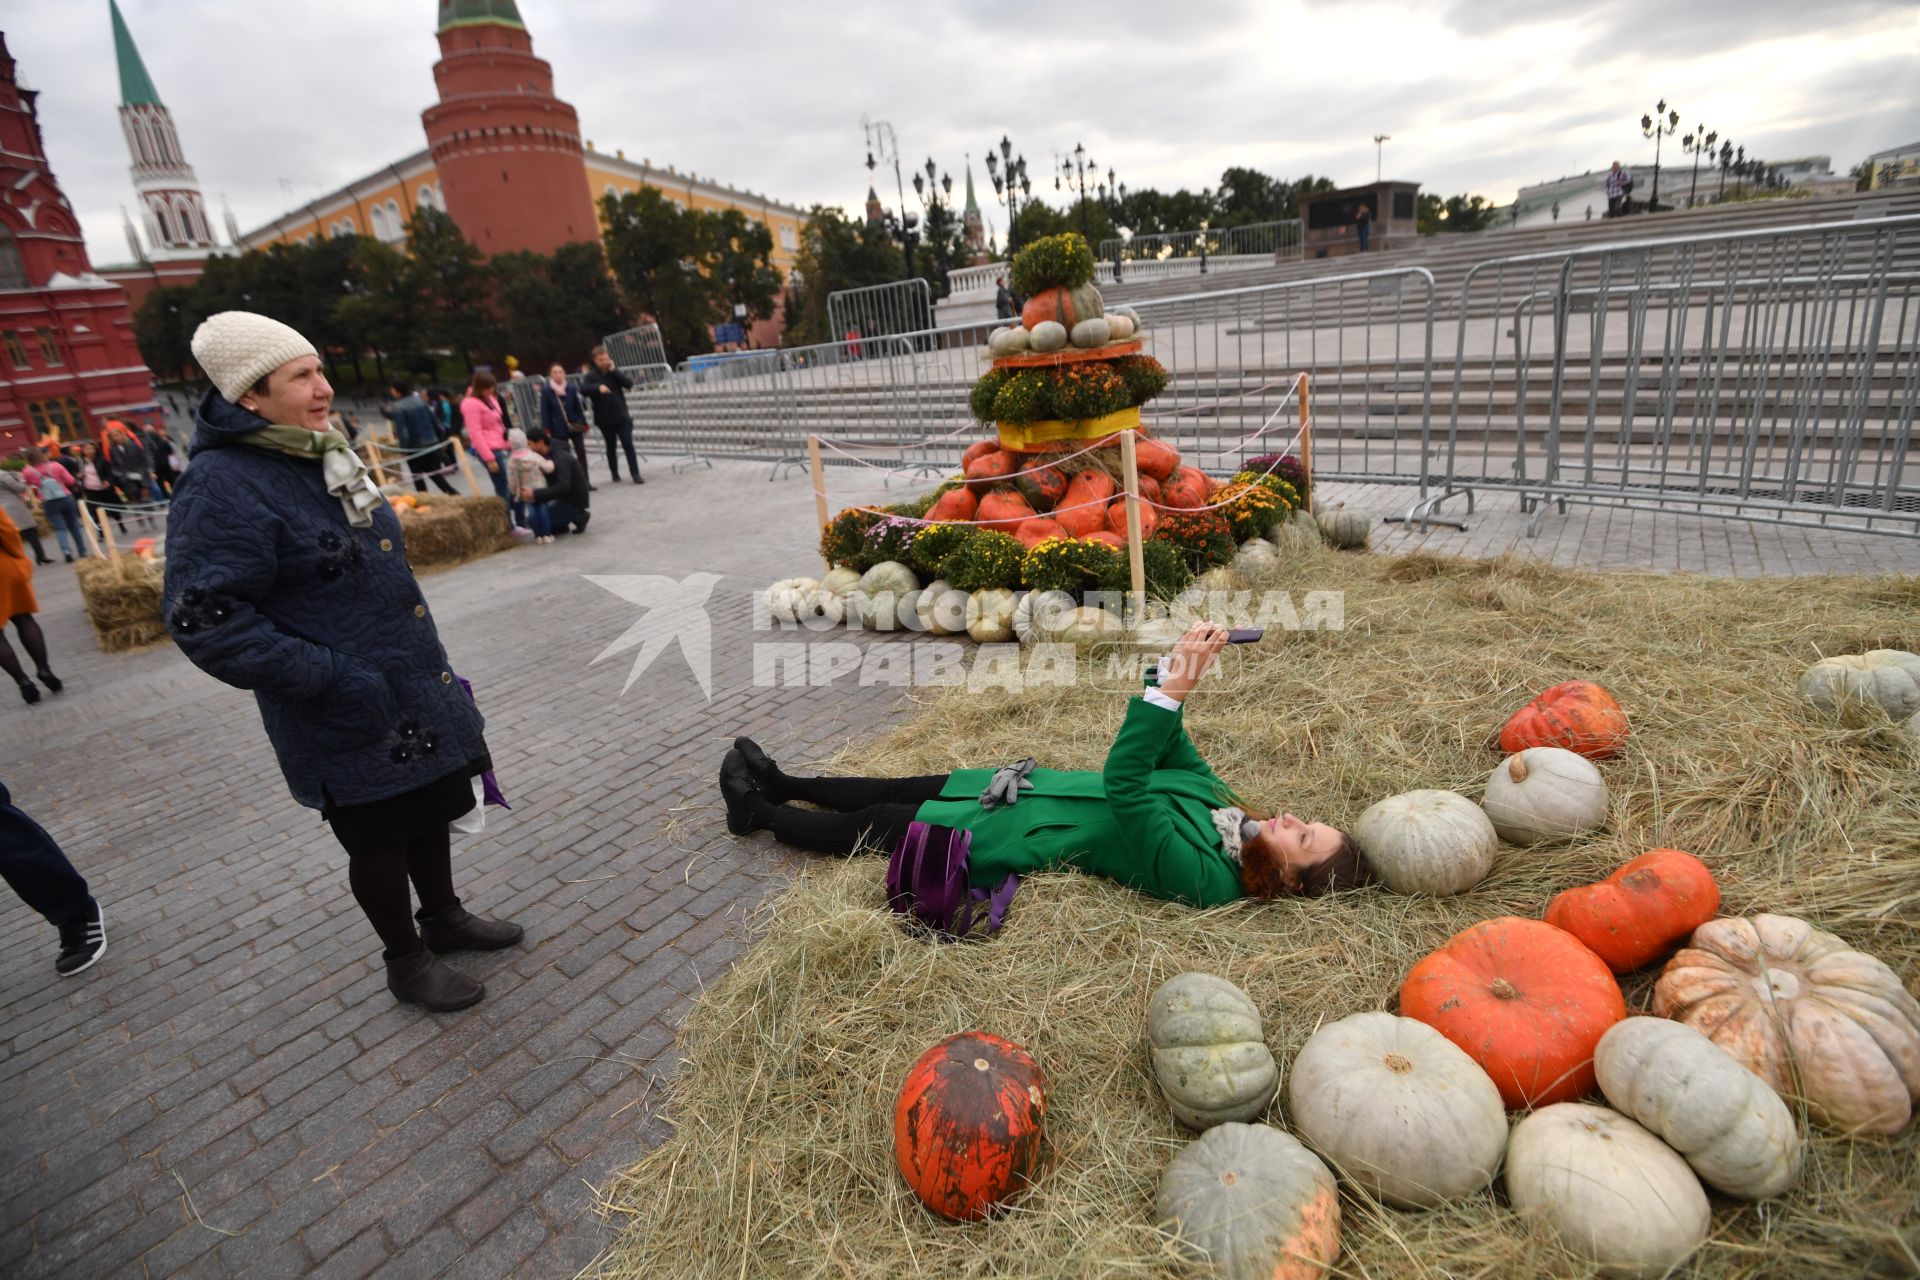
1008	783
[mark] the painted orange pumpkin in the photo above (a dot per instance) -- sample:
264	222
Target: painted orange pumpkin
991	468
1184	488
1117	518
1049	484
1640	912
1578	715
954	504
978	449
1037	530
1067	307
1075	513
1527	1001
968	1128
1004	509
1106	539
1154	457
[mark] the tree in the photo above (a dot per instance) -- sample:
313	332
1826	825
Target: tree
686	268
1456	213
160	328
388	307
581	274
836	253
454	281
740	258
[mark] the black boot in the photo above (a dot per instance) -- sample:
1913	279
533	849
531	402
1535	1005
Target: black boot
419	978
457	929
737	789
766	774
29	691
54	683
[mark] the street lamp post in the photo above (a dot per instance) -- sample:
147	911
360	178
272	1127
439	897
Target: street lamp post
1696	143
1075	172
1112	192
1380	141
1010	186
930	192
1657	126
881	138
1726	163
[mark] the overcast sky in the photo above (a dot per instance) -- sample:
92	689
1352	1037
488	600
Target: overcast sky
1479	95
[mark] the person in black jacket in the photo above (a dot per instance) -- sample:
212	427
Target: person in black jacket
416	428
607	388
566	492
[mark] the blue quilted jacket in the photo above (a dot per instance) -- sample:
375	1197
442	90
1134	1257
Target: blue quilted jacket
270	589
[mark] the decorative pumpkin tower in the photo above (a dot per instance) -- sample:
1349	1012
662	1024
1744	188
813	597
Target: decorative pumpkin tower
508	152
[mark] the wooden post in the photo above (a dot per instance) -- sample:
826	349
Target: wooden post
819	484
379	472
1131	467
466	466
1306	434
86	525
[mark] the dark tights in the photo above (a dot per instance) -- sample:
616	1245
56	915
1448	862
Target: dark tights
869	811
379	881
33	640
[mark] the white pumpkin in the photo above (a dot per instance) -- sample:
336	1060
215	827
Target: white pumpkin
1040	613
990	615
1731	1127
1545	793
1427	842
942	609
1219	578
1088	625
1613	1192
1397	1108
1889	678
1209	1053
840	581
792	599
1119	327
1091	332
1048	335
1253	1203
1255	556
1298	534
1129	313
879	599
1344	529
1008	340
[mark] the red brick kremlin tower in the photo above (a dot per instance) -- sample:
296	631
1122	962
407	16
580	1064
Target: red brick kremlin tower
67	355
508	152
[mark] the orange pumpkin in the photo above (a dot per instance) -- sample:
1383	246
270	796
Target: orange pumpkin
1074	513
1155	458
1004	509
955	504
1037	530
1106	539
991	468
1527	1001
1068	306
1150	490
1117	518
1184	488
1638	913
967	1129
1050	483
1578	715
978	449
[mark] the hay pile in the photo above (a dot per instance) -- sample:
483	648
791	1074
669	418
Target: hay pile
446	530
122	596
782	1160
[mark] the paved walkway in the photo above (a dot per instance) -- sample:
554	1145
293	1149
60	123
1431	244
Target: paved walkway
232	1091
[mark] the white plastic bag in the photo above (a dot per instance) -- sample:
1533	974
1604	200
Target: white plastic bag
474	820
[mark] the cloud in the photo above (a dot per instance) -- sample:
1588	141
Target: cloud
1477	97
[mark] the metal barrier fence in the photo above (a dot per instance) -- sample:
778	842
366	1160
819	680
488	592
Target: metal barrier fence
1283	240
880	310
637	347
1771	374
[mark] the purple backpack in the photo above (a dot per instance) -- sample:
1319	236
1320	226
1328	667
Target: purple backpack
927	883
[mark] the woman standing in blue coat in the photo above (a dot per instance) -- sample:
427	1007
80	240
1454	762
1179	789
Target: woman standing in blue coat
286	576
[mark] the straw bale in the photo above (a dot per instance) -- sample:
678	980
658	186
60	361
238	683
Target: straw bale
122	596
780	1157
447	530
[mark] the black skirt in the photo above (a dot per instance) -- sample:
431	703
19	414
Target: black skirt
382	828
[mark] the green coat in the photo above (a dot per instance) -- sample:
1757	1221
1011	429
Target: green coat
1145	820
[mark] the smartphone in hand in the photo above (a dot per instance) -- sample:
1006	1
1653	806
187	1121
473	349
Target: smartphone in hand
1245	635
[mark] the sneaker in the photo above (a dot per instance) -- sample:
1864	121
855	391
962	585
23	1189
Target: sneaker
82	943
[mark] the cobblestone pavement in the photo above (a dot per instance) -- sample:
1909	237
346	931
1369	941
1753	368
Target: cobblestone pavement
233	1092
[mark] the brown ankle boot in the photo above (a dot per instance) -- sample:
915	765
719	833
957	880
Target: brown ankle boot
457	929
419	978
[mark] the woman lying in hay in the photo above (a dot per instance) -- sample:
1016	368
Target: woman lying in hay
1156	818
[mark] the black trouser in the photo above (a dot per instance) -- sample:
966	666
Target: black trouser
420	483
871	812
35	868
577	432
105	500
623	433
378	875
566	517
30	534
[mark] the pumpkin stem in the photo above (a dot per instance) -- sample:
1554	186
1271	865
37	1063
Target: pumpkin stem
1397	1064
1503	990
1517	770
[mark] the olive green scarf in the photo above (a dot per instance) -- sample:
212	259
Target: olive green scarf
346	475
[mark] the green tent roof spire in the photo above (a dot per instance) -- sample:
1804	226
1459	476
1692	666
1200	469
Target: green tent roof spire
470	13
973	206
136	86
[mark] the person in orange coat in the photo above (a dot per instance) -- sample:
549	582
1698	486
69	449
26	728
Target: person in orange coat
17	604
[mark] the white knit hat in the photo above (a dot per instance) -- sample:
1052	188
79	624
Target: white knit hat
238	348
